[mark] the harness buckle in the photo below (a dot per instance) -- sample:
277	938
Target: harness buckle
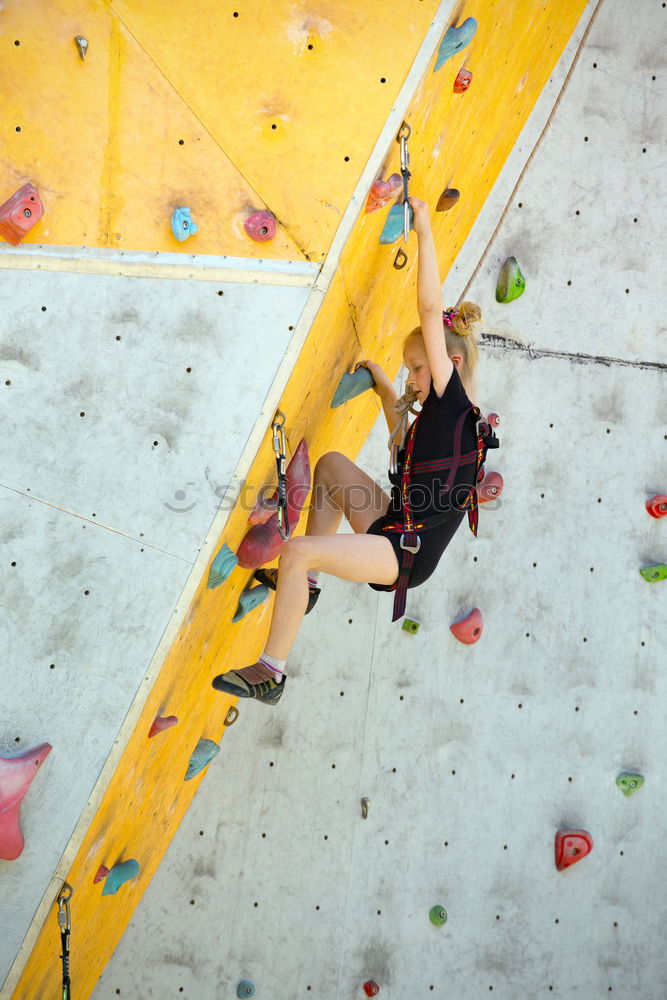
410	548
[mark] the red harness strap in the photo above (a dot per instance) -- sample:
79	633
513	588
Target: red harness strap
410	540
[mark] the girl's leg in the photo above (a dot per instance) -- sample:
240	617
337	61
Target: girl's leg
341	487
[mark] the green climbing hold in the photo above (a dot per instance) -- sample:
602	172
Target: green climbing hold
629	783
249	600
438	915
221	567
352	384
119	875
654	573
245	989
511	282
410	626
204	753
455	39
393	227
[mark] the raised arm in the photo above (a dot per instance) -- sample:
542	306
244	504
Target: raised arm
385	390
429	298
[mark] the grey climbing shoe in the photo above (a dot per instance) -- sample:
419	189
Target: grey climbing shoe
254	681
269	577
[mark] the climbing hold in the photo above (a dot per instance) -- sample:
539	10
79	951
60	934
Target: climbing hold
260	227
447	199
511	282
221	567
160	723
82	45
571	846
245	989
469	630
119	875
654	573
264	508
410	626
455	39
438	915
231	717
263	542
490	488
250	599
365	806
393	227
629	783
462	81
371	988
352	384
20	213
102	873
382	192
401	259
657	506
493	419
16	774
203	754
182	224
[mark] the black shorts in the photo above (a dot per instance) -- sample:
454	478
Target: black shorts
433	544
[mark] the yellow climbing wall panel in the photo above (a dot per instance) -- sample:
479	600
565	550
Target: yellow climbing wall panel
229	108
458	141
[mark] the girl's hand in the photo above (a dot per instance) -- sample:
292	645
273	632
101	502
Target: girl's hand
380	379
422	218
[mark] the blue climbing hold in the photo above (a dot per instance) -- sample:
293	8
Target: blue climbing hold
221	567
393	227
352	384
119	875
245	989
204	753
182	224
455	39
249	600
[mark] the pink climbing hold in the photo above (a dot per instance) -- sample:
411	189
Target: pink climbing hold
493	419
382	192
469	630
490	488
102	873
20	213
260	227
571	846
657	506
160	723
462	81
16	775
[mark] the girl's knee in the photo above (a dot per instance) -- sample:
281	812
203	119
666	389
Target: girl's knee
328	462
295	552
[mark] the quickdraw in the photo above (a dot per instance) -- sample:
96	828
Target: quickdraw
65	924
279	450
404	134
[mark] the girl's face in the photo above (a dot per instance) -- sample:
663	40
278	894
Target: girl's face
419	373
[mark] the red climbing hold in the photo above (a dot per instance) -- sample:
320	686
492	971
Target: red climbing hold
491	487
20	213
160	723
382	192
462	81
260	227
102	873
371	989
493	419
263	542
470	629
657	506
571	846
16	774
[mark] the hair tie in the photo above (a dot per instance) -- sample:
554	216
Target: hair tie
449	315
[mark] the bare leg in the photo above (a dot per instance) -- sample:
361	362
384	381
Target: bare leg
341	487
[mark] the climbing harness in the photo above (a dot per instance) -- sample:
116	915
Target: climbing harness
403	406
65	924
279	449
410	541
404	134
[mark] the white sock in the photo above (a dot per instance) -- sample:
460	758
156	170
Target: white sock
273	664
312	579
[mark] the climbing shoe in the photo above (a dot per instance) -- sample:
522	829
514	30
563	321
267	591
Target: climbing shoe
269	577
251	682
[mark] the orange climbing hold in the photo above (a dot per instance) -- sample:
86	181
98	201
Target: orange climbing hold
657	506
571	846
469	630
20	213
382	192
16	775
160	723
462	81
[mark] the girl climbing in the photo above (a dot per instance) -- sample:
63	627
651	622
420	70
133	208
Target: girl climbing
398	539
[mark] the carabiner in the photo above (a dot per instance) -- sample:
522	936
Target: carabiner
404	134
64	915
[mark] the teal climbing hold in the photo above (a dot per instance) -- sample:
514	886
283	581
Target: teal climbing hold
410	626
182	224
455	39
511	282
629	783
654	573
352	384
245	989
119	875
438	915
249	600
393	227
221	567
204	753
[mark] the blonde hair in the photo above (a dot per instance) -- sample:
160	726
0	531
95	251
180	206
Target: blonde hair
460	339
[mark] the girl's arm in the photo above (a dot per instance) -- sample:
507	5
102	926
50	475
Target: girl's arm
385	390
429	299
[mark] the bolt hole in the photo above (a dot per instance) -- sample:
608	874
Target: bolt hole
347	159
181	142
274	126
18	128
